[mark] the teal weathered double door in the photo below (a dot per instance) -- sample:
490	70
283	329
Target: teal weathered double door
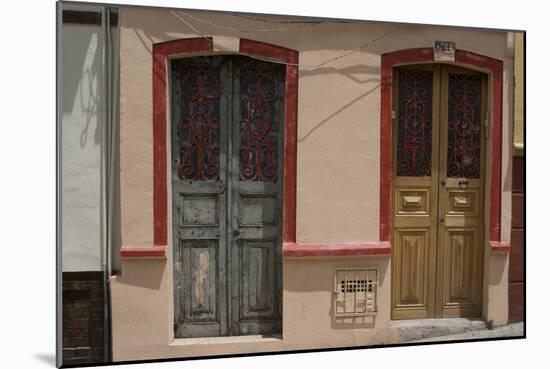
227	116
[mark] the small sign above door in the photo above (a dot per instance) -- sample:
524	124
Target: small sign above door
444	51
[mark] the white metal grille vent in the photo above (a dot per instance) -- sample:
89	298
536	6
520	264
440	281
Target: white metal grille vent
355	291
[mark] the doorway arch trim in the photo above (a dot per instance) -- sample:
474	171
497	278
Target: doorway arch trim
464	58
196	46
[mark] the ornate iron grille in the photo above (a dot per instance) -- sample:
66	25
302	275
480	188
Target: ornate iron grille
199	125
464	132
414	123
260	103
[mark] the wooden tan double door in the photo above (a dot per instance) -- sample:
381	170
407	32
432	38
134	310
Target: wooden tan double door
438	180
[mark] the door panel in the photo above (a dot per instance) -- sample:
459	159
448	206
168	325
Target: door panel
412	259
437	185
257	279
462	202
463	96
256	196
256	210
227	124
460	245
200	265
198	209
415	192
461	290
199	179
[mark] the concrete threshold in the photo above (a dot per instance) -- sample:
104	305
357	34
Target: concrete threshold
419	329
227	340
510	330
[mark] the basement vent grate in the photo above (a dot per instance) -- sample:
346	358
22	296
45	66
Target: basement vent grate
355	292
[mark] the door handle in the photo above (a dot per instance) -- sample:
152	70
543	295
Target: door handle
463	183
236	233
443	183
441	220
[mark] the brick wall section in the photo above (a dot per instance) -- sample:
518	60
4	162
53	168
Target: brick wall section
516	272
83	317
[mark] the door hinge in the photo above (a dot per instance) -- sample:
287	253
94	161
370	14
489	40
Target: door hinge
393	114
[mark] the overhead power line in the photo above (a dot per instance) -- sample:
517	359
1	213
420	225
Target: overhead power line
248	30
288	21
301	66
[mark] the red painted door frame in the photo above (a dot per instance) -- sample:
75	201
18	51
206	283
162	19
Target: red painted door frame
196	46
464	58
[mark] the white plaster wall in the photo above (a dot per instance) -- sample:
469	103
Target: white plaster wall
81	147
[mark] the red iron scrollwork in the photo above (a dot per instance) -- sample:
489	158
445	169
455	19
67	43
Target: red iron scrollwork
260	112
464	132
199	124
414	123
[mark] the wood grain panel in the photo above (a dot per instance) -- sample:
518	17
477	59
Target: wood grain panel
460	268
257	279
412	202
200	264
411	274
462	202
461	290
198	209
257	209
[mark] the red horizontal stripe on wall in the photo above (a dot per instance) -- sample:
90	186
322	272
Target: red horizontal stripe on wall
292	249
500	246
155	251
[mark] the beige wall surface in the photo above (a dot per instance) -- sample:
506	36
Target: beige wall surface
142	314
338	113
337	182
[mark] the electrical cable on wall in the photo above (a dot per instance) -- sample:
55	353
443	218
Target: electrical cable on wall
288	21
249	30
301	66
